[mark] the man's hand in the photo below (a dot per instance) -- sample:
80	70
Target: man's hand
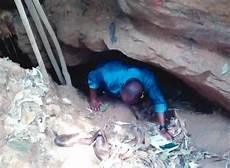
94	101
166	134
95	104
163	129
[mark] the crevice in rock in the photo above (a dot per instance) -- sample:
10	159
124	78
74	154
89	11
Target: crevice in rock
10	49
82	60
177	93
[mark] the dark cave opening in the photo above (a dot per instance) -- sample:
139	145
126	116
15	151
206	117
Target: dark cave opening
10	49
178	94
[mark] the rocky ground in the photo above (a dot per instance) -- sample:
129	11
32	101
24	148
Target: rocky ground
32	112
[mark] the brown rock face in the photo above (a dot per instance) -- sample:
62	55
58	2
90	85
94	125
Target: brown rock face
188	38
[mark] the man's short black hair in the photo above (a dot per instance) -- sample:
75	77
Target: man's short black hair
134	86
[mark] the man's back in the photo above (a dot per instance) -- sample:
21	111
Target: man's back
112	75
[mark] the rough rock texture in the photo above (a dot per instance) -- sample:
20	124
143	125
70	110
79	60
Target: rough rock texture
190	39
31	111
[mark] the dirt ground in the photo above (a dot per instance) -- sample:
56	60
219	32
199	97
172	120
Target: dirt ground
32	112
209	132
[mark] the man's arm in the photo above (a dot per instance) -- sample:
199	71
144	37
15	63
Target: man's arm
161	119
95	102
159	103
94	80
163	128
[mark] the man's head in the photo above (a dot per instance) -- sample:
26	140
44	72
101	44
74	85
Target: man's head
132	91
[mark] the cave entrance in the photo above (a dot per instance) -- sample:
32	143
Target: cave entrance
178	94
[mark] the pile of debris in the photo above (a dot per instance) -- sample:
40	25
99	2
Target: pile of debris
33	113
139	145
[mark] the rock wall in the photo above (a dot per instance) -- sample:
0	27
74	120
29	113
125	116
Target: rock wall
188	38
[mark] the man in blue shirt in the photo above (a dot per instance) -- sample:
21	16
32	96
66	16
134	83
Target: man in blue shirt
129	83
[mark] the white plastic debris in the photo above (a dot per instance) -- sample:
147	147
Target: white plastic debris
225	69
66	101
49	100
162	143
193	165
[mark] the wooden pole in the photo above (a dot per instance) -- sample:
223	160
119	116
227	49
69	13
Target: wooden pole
29	32
54	38
44	38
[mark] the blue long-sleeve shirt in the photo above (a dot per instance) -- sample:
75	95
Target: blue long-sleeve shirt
112	76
